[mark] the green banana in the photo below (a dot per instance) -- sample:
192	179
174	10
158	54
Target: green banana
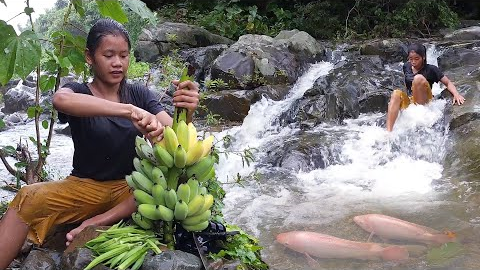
197	227
207	176
171	141
199	218
202	190
195	205
139	141
204	165
183	192
143	197
130	182
194	153
147	151
137	164
142	221
172	177
147	167
149	211
163	157
170	198
142	181
158	194
181	210
180	157
166	214
158	177
182	135
193	184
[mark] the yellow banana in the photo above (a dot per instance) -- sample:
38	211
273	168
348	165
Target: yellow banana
180	157
197	227
183	192
142	221
158	194
170	198
161	143
162	156
193	184
158	177
202	217
194	153
209	200
181	210
149	211
171	141
195	205
192	134
182	135
142	181
207	145
143	197
204	165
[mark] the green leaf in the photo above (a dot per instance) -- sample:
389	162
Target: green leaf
112	9
47	83
444	254
28	11
141	9
2	124
18	54
9	150
78	5
31	112
45	124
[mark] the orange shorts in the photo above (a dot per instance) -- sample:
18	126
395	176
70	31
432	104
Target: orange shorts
45	205
407	100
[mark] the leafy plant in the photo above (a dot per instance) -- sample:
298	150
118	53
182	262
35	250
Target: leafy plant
137	69
243	247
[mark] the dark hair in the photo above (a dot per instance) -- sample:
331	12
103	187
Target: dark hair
105	27
420	49
100	29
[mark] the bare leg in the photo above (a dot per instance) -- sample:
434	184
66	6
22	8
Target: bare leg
13	232
120	211
420	89
393	109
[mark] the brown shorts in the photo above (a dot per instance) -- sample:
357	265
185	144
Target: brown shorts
406	100
72	200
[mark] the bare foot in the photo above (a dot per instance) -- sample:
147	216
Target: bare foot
71	234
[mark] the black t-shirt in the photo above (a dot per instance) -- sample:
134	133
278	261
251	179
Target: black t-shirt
105	146
432	73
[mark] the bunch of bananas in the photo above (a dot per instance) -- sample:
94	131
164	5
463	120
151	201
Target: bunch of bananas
168	176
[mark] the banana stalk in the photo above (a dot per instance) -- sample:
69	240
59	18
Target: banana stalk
180	114
168	235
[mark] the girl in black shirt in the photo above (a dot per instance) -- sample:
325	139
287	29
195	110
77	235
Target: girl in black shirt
419	78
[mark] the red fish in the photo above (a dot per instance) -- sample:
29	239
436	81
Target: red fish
326	246
393	228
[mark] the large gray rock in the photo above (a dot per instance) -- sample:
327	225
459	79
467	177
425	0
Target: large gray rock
18	99
163	38
468	33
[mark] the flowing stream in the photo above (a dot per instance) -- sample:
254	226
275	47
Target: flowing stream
367	171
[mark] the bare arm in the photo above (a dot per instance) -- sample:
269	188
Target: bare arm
457	98
68	102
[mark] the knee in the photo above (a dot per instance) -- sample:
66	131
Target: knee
396	96
419	79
